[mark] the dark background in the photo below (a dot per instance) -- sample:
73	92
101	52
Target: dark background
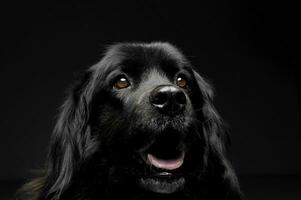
248	49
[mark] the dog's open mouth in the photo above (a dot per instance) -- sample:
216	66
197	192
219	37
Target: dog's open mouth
164	158
166	153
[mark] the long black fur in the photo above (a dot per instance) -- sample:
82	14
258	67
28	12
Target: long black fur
84	144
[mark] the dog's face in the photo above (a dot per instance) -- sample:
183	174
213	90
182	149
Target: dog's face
146	114
140	121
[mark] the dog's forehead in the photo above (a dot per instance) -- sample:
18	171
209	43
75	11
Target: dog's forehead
137	58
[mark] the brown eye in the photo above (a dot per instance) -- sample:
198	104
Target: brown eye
181	82
121	83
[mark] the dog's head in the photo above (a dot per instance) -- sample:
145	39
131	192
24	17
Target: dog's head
141	116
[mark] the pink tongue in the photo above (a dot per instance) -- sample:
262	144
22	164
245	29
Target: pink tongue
166	164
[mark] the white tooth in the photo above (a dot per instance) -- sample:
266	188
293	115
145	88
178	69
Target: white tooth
165	174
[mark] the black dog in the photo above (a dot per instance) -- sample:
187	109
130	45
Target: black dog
139	124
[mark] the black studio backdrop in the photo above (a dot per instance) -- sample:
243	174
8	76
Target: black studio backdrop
248	49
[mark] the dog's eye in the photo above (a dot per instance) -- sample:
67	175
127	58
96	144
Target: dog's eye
121	82
181	82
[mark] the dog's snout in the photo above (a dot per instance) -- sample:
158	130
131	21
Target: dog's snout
168	99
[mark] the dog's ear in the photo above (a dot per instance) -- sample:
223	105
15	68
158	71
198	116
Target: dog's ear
212	121
71	141
217	138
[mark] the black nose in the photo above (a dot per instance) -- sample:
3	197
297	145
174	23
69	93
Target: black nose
168	99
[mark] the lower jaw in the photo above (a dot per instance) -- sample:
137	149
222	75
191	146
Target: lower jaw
162	185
